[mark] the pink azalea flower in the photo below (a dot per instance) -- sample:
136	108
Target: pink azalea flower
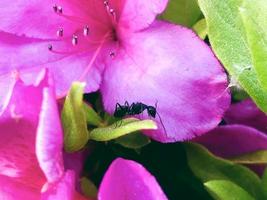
31	160
244	133
127	179
119	48
31	153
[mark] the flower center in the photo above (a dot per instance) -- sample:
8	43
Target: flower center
91	31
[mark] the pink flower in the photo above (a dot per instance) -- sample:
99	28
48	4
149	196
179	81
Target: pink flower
244	133
31	153
127	179
31	161
119	48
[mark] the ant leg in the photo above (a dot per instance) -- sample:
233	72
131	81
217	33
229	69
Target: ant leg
117	107
116	124
126	103
156	104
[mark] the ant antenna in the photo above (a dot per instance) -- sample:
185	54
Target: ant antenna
233	81
160	119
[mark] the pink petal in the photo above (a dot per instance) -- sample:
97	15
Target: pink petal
75	162
49	139
247	113
12	190
18	124
6	85
138	14
15	16
65	68
31	140
63	189
233	140
127	179
170	66
36	18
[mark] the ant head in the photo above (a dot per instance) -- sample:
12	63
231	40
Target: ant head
152	111
120	111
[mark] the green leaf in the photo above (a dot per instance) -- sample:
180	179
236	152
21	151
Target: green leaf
92	117
121	128
264	182
257	157
238	94
208	167
222	190
229	41
73	119
254	13
184	12
201	28
133	141
88	188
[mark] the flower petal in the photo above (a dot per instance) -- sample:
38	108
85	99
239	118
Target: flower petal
18	124
36	18
12	190
49	139
168	66
65	67
233	140
246	113
63	189
137	14
127	179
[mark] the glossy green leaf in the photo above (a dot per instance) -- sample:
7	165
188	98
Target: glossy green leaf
254	13
184	12
88	188
208	167
226	190
257	157
229	41
120	128
92	118
201	28
133	141
74	120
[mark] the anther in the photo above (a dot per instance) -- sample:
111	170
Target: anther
112	54
59	9
74	40
112	11
105	3
60	32
86	31
55	8
50	47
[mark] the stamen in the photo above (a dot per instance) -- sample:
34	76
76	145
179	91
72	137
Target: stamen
57	9
74	40
111	11
112	54
60	32
113	14
106	3
86	31
50	47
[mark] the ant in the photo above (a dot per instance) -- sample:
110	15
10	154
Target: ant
136	109
133	109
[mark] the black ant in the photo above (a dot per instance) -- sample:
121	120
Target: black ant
135	109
